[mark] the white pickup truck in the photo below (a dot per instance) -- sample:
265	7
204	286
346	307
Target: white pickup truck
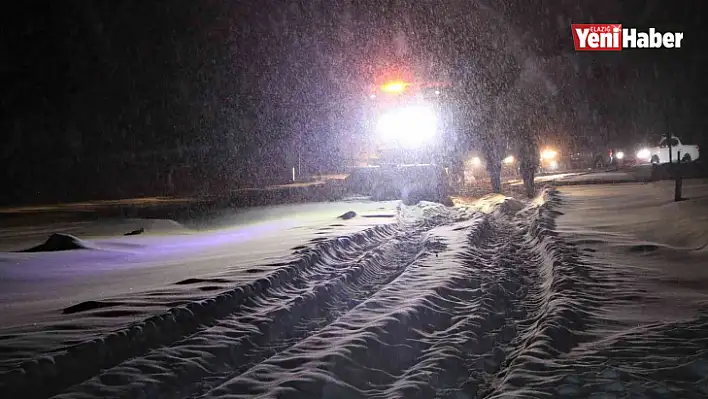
660	153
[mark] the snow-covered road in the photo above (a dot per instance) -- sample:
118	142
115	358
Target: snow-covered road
494	299
385	311
124	279
166	253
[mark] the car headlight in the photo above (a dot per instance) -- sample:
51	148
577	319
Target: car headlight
476	161
549	154
644	153
619	155
509	160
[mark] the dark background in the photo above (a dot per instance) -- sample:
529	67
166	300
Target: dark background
101	99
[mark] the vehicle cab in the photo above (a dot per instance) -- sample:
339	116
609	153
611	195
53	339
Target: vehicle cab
669	150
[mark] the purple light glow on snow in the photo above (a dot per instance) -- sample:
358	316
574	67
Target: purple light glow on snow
123	253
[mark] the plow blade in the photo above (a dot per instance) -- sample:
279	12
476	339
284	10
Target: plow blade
408	183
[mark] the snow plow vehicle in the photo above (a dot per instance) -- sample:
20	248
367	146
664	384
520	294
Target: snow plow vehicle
407	127
549	160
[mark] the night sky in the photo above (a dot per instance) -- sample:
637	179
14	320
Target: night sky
103	99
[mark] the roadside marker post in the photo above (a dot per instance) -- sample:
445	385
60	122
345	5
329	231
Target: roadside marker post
678	179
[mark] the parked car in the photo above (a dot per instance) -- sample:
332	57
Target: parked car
601	154
660	153
621	157
475	166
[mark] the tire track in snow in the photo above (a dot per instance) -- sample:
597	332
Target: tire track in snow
372	345
343	275
552	306
417	337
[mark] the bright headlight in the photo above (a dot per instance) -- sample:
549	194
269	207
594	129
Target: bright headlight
619	155
410	126
509	160
549	154
476	161
643	154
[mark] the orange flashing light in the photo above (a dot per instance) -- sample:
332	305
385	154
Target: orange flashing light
394	87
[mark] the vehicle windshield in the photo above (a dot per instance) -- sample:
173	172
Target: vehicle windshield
353	199
663	142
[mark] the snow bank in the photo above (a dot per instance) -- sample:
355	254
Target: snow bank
498	203
643	212
599	178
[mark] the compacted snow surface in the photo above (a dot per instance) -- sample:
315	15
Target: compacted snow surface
498	298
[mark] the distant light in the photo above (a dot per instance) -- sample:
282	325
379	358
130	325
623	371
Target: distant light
476	161
372	96
644	153
620	155
437	92
549	154
509	160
